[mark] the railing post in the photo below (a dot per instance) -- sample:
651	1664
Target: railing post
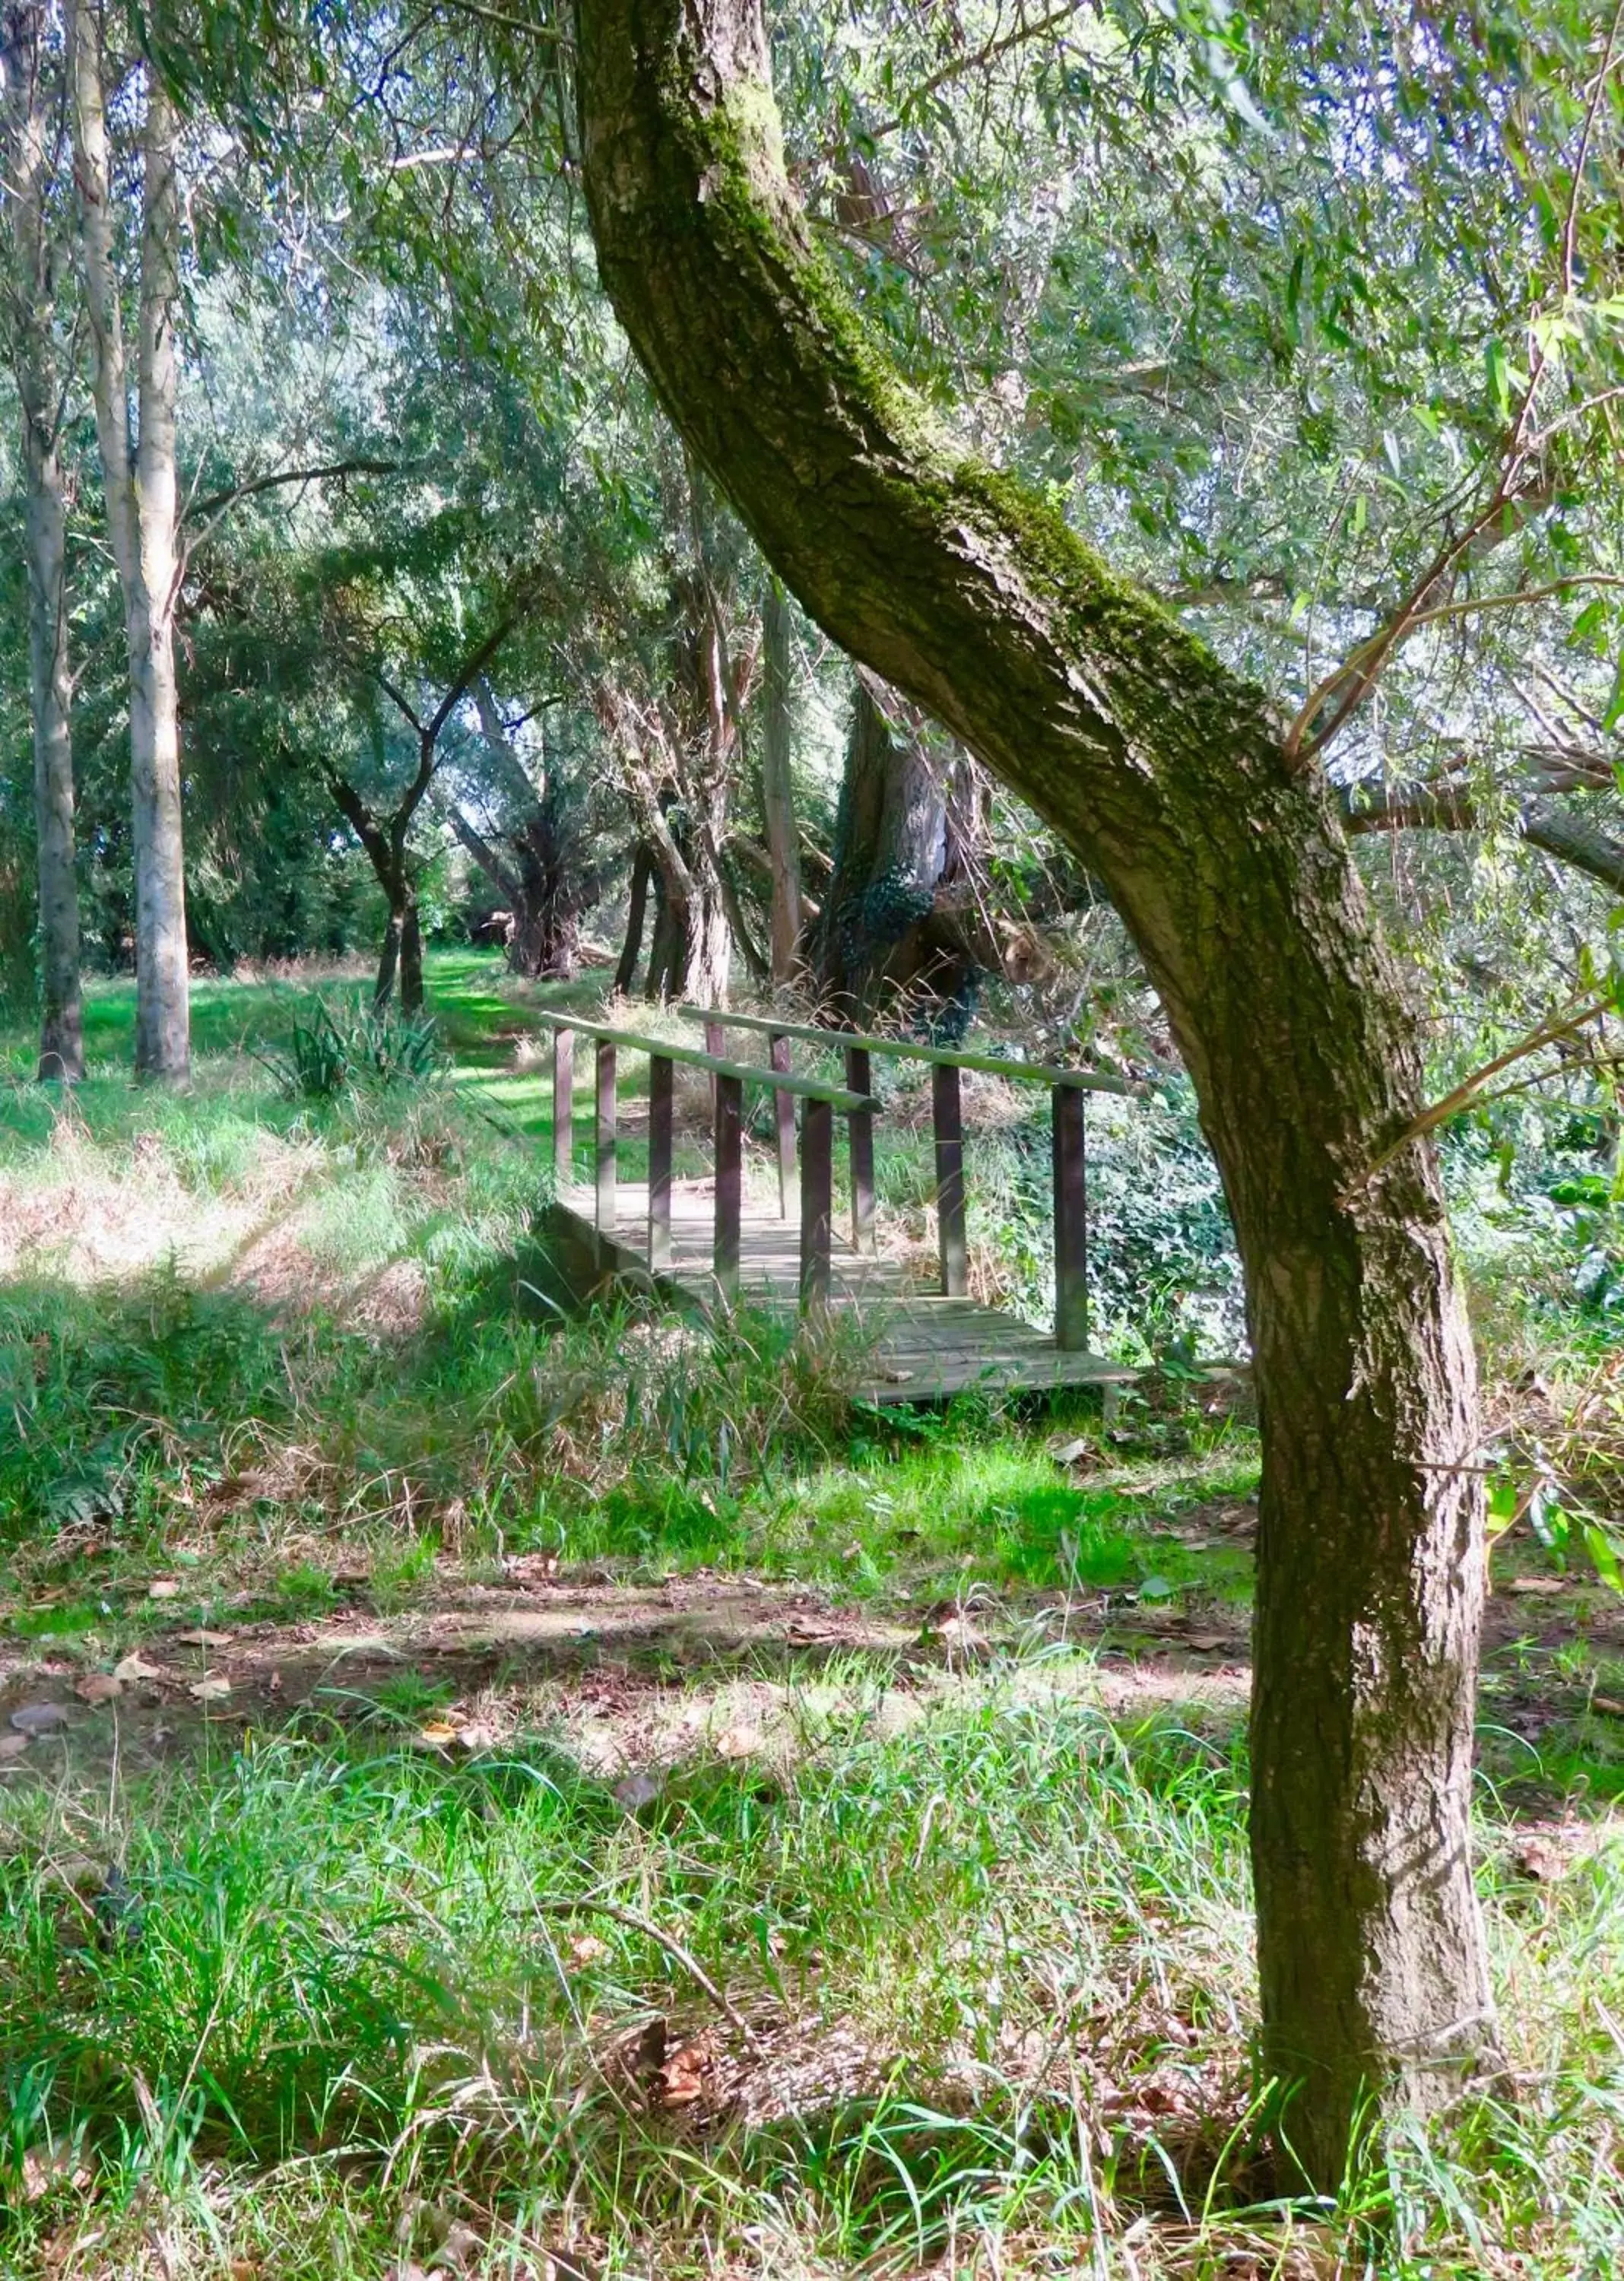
716	1042
1070	1221
816	1203
860	1128
729	1183
784	1119
949	1179
563	1108
605	1162
659	1090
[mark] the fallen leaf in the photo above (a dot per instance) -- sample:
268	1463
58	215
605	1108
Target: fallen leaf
13	1746
32	1719
1204	1643
958	1631
682	2078
586	1948
740	1741
458	2245
1069	1452
164	1588
1541	1584
477	1737
438	1734
1535	1859
136	1667
1610	1704
204	1639
98	1686
209	1690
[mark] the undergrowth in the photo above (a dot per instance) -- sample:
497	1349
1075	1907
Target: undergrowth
992	1972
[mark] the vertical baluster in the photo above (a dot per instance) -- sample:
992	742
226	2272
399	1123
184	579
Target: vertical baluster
949	1179
563	1108
728	1184
1070	1221
860	1129
606	1138
715	1043
660	1089
816	1203
783	1118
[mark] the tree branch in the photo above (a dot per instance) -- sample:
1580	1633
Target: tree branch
217	502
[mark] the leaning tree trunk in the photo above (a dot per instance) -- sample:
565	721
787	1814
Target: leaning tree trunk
141	521
636	907
1229	865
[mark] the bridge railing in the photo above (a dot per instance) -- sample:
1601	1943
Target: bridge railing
810	1154
1068	1088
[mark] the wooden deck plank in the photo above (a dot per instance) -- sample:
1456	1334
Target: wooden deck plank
925	1346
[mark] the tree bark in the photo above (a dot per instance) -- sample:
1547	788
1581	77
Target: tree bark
140	504
1230	868
880	937
778	788
31	281
1543	823
637	905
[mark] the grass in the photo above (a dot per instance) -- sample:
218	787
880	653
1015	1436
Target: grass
278	1997
995	1969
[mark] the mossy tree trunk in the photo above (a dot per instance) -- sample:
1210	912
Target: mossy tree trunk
1167	776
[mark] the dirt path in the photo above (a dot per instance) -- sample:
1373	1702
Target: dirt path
630	1678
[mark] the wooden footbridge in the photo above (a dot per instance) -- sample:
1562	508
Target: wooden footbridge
702	1240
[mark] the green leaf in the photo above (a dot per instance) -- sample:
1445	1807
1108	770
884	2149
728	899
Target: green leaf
1604	1553
1615	702
1499	368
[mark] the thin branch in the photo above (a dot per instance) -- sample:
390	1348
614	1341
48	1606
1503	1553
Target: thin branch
549	32
673	1949
1565	1025
1570	228
990	53
217	501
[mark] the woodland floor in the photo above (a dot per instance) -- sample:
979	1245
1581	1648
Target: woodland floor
356	1609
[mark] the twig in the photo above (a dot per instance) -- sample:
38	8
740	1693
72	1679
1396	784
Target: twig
1570	228
673	1949
1560	1026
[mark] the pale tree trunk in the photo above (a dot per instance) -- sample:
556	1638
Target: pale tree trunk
1230	869
50	689
29	135
141	521
778	789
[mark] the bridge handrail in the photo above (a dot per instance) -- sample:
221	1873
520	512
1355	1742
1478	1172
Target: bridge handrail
809	1088
907	1050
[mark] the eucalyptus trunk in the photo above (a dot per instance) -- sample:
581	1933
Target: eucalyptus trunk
778	788
142	506
1229	866
50	694
29	155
